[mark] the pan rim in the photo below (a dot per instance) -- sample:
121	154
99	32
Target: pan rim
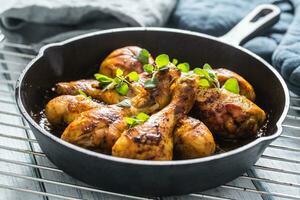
238	150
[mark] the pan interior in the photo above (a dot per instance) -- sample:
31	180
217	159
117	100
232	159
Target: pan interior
80	59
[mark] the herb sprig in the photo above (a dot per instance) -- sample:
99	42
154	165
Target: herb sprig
208	77
162	62
121	82
133	121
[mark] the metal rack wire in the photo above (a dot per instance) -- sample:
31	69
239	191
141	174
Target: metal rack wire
26	173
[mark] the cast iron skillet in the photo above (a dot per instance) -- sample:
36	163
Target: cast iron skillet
79	57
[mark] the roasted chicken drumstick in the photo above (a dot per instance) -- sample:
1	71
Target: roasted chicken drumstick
228	115
153	140
192	139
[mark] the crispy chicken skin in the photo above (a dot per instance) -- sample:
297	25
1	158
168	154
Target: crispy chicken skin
227	114
97	129
91	88
65	108
192	139
246	88
153	140
124	58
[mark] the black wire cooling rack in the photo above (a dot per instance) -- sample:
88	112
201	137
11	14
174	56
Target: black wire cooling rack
26	173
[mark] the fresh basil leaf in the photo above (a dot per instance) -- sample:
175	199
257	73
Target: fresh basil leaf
119	72
133	76
142	117
232	85
183	67
122	88
162	60
207	66
174	61
143	56
125	103
204	83
148	68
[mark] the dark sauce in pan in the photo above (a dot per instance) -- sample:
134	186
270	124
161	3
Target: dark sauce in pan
223	145
56	130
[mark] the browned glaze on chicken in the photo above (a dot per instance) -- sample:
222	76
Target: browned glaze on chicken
97	129
192	139
246	88
65	108
151	100
227	114
153	140
124	58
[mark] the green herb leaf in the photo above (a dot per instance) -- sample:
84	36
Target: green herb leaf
204	83
174	61
198	71
143	57
148	68
117	80
133	76
122	88
232	85
103	79
162	60
201	72
142	117
125	103
150	84
183	67
82	93
119	72
207	66
131	121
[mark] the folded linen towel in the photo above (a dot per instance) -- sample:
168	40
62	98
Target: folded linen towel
43	21
280	45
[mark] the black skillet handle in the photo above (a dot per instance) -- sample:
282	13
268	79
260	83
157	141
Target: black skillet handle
261	18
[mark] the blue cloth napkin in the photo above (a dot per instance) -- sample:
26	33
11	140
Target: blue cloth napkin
280	45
